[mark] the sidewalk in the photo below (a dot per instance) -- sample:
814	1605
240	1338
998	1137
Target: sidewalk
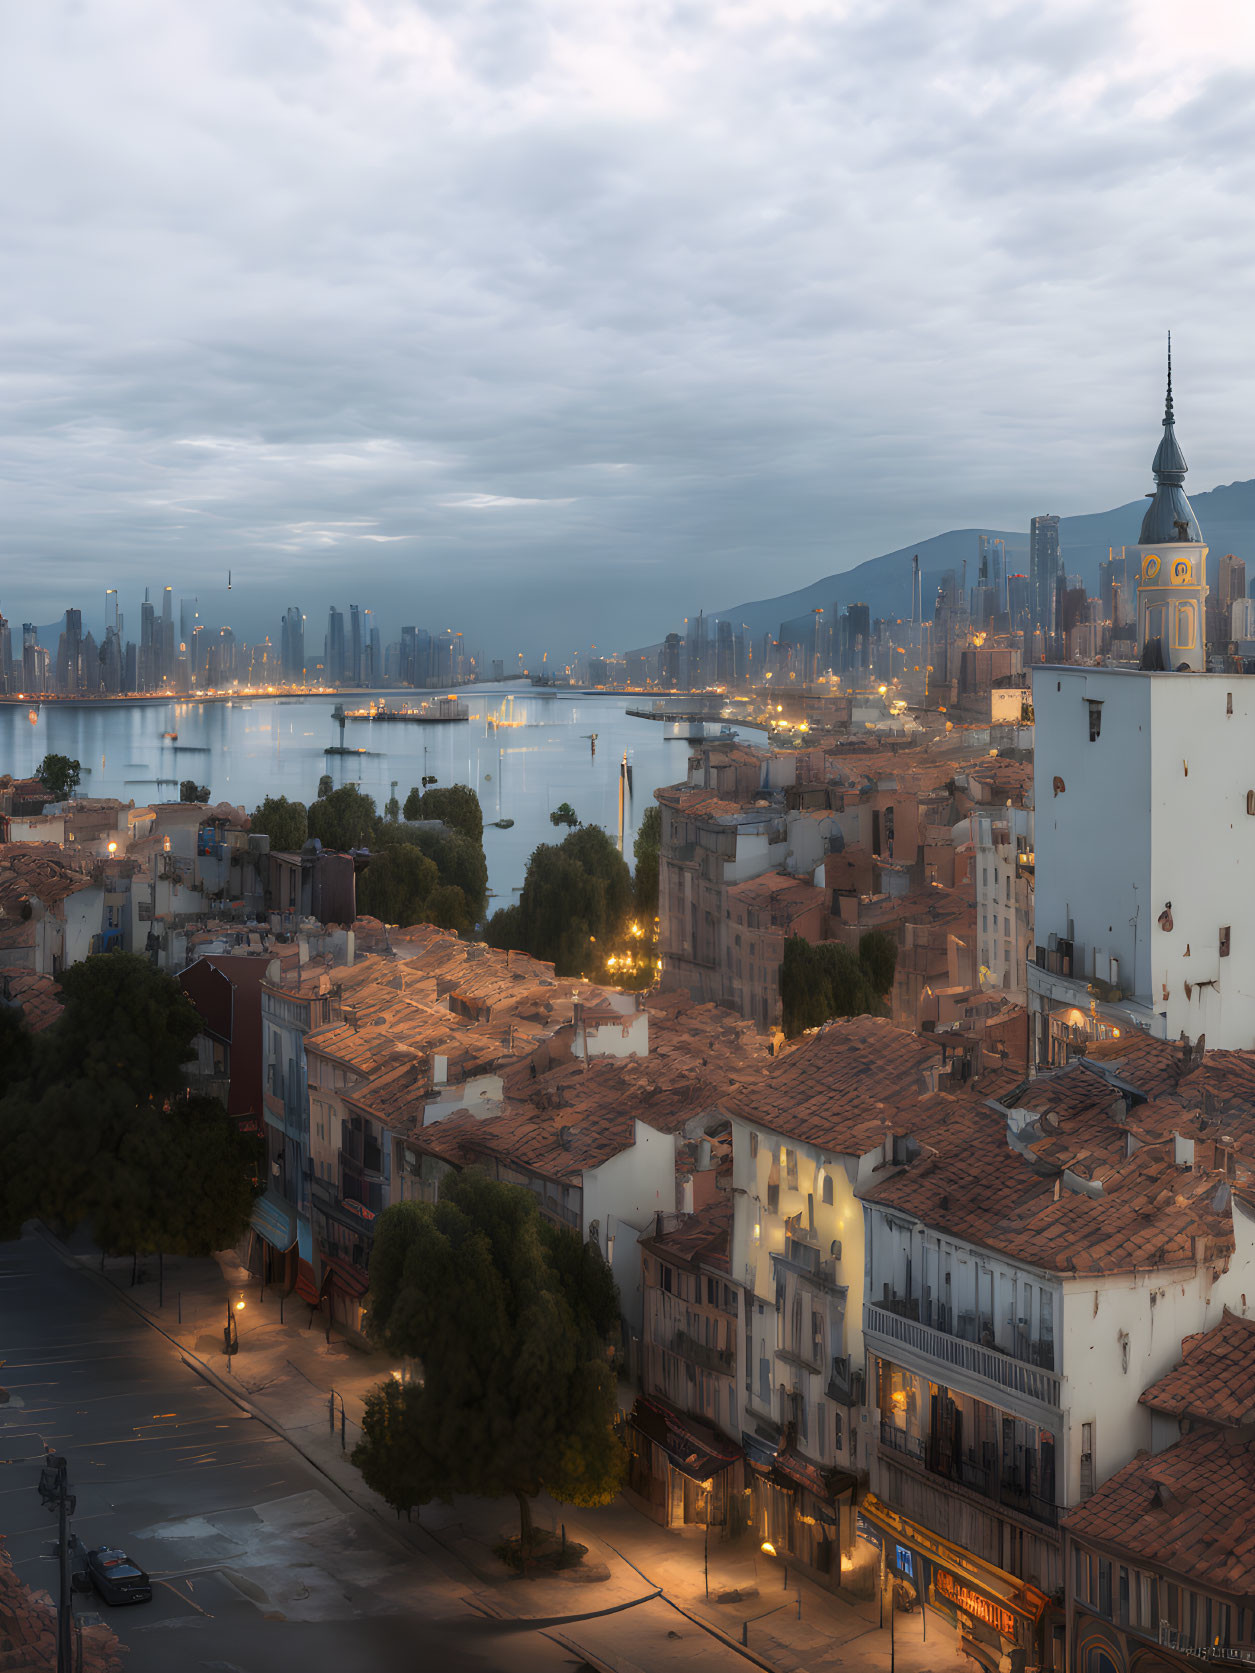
313	1390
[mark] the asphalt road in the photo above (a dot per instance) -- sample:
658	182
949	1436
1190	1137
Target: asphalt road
258	1562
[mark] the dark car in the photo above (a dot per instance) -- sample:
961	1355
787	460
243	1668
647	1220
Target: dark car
117	1578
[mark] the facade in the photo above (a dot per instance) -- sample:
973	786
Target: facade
1027	1276
1135	912
1161	1559
1002	867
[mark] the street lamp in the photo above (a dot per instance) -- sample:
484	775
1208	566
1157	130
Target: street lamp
54	1494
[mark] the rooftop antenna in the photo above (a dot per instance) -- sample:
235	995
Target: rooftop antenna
228	580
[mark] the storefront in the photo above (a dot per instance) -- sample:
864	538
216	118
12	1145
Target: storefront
273	1225
680	1470
1001	1622
800	1511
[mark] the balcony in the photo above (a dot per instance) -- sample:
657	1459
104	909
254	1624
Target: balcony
991	1372
1007	1491
710	1359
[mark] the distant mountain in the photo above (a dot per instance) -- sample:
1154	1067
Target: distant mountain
1226	514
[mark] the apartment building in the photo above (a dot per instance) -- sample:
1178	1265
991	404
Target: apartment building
1027	1275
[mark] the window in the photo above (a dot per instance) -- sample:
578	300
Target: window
1087	1439
665	1274
838	1430
828	1189
791	1169
1224	941
1104	1587
764	1379
1095	719
753	1144
1122	1597
773	1199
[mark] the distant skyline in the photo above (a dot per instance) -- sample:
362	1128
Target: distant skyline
552	323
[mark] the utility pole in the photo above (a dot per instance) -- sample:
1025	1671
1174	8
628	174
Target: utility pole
54	1493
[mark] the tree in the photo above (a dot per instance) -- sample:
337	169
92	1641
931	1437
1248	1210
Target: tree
828	980
104	1094
448	908
564	814
645	852
59	775
457	805
325	787
576	894
190	791
123	1021
878	955
397	884
459	861
284	822
345	819
517	1394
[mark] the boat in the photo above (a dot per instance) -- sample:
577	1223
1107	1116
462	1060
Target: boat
343	749
171	735
503	824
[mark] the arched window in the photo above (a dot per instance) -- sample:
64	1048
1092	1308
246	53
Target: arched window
1185	628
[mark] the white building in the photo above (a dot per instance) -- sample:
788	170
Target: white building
1145	816
1144	836
1002	862
802	1145
1026	1279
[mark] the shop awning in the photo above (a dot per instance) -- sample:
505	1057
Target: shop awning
693	1449
274	1219
347	1278
796	1471
306	1277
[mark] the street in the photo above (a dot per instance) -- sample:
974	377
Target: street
257	1560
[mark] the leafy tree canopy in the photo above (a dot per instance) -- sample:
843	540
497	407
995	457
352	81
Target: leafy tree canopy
517	1393
325	786
828	980
344	819
190	791
576	893
645	852
284	822
103	1091
456	804
397	885
459	861
59	775
564	814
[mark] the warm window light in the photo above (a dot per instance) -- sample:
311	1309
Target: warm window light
769	1548
113	847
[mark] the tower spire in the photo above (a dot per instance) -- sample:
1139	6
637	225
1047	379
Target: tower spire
1167	408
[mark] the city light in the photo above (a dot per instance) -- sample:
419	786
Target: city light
769	1548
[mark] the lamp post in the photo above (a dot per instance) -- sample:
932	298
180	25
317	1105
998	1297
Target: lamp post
54	1493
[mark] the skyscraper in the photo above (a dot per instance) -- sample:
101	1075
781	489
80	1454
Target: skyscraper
292	640
1044	566
334	656
354	669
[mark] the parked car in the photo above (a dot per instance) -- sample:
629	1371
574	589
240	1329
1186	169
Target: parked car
117	1578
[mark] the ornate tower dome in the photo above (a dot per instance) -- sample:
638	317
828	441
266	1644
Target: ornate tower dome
1169	516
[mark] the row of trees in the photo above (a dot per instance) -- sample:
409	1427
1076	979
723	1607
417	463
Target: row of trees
829	980
97	1126
512	1320
414	875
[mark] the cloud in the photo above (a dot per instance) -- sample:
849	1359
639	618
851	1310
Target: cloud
728	292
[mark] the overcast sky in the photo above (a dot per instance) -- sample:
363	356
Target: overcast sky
552	320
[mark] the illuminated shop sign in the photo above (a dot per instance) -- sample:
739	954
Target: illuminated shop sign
973	1603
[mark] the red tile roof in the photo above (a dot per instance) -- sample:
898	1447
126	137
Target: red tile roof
1189	1511
1214	1381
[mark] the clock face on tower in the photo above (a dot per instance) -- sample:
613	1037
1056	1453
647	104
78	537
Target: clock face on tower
1182	573
1150	567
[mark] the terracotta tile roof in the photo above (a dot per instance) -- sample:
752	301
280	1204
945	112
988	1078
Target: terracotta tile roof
1144	1210
702	1239
1214	1381
1152	1066
842	1087
28	1630
1189	1510
696	802
39	996
36	871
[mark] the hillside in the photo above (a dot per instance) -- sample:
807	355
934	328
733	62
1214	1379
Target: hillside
1227	516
